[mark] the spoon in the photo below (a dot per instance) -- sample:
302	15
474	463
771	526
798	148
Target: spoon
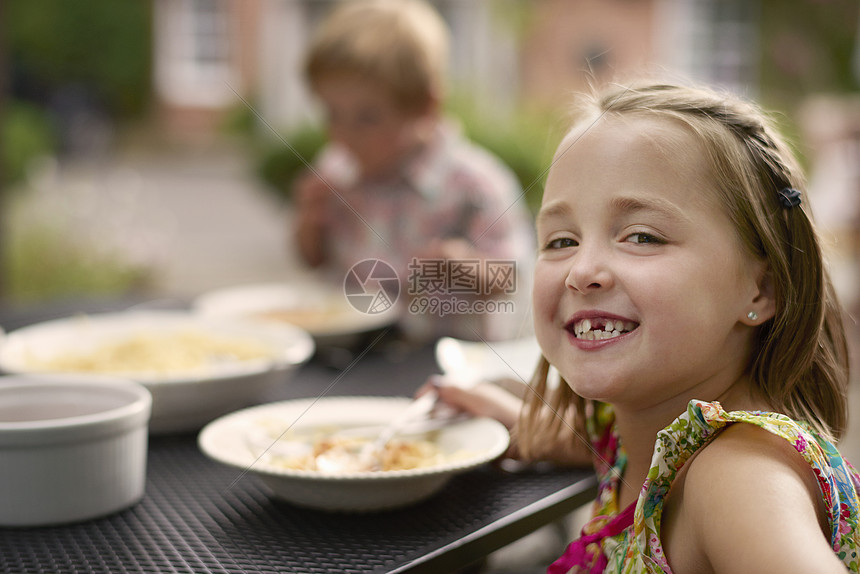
370	455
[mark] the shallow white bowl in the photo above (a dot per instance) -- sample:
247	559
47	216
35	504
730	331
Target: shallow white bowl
71	447
319	309
231	440
181	401
511	359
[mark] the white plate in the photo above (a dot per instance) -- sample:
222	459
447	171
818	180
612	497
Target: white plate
319	309
181	400
230	440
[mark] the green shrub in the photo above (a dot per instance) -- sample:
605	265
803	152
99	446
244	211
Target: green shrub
282	161
42	264
239	120
25	134
103	44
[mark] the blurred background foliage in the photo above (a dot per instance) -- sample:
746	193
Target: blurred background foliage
43	264
102	45
64	59
96	57
807	47
26	133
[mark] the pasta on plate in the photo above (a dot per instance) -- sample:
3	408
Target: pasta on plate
176	352
331	449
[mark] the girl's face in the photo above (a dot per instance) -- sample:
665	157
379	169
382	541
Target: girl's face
642	288
364	117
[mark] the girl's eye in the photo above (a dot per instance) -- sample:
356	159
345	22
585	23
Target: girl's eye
561	243
643	238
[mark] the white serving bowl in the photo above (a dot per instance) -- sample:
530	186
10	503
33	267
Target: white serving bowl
72	448
319	309
182	400
234	440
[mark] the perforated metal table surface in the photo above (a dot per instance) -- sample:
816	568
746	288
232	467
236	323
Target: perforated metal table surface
197	517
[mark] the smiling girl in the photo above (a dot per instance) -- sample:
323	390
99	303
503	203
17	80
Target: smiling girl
680	290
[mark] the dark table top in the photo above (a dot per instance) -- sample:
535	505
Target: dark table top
197	517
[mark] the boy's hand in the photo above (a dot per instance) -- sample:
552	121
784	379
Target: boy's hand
313	216
312	195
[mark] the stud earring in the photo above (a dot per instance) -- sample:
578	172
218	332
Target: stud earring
752	315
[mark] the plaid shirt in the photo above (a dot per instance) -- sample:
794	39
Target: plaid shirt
449	189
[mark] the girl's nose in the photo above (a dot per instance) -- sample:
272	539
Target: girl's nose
589	271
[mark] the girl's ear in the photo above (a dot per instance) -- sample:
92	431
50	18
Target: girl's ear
763	305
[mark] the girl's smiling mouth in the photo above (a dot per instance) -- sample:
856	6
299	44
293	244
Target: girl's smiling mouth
599	328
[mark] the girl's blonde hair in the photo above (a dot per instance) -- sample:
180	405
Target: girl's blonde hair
401	44
800	362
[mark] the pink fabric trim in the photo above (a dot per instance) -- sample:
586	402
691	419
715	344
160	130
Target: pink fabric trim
577	553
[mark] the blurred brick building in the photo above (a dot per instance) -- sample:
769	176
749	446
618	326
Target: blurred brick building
504	52
570	43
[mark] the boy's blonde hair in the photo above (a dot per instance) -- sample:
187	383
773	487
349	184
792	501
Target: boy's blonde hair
800	360
401	44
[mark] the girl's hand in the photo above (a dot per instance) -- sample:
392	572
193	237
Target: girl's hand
484	399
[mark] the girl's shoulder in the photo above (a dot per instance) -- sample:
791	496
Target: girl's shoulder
748	473
759	486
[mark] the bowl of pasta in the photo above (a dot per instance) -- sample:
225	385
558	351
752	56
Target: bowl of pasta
304	451
196	368
318	308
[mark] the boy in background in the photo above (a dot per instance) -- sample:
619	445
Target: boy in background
399	183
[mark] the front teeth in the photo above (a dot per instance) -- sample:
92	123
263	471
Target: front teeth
582	330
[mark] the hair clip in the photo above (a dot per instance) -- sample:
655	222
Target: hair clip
789	197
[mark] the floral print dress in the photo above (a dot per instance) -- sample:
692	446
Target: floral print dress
628	541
